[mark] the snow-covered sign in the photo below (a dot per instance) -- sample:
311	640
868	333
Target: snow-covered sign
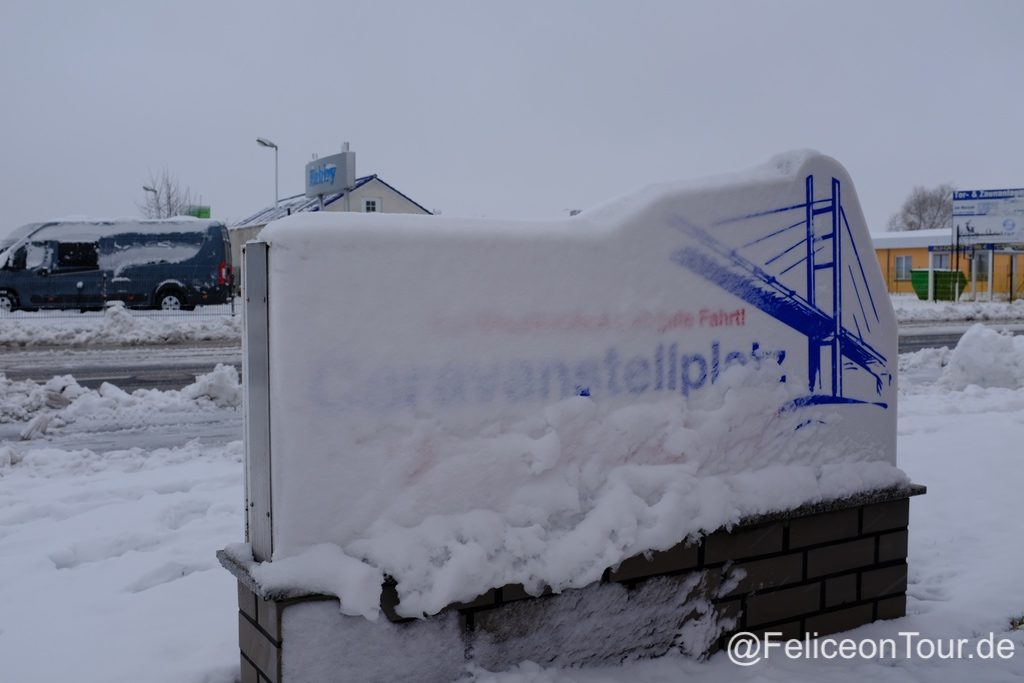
466	403
989	216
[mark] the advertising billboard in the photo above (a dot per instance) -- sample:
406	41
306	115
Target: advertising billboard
989	216
331	174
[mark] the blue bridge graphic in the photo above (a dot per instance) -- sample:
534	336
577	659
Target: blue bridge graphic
812	262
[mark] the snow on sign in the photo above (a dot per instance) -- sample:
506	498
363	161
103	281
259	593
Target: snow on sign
463	403
991	216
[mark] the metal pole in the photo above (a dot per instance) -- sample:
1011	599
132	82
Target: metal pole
974	273
1013	275
931	275
991	270
956	276
813	342
837	292
263	142
156	198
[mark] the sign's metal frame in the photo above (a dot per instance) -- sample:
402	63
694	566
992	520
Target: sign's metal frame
256	371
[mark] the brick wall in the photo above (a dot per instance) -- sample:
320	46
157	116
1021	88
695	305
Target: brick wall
821	573
819	569
259	637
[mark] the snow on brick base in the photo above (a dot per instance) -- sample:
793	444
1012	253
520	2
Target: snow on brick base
818	569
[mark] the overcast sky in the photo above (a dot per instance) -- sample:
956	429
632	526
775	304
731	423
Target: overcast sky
515	109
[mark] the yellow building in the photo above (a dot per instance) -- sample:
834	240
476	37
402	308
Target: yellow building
992	270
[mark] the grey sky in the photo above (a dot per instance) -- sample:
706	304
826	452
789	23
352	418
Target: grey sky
508	109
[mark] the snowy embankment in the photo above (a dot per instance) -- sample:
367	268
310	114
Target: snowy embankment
118	326
57	405
913	311
107	555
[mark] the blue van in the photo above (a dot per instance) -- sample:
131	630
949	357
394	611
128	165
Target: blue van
172	264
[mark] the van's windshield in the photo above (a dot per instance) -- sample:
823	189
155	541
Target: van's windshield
16	236
13	239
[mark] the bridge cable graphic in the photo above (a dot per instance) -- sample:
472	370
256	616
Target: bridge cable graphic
822	254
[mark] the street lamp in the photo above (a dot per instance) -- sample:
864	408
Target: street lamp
263	142
156	198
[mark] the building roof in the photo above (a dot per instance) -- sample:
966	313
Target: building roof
295	204
903	239
300	202
942	237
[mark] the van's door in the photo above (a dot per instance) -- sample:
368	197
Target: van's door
76	281
27	272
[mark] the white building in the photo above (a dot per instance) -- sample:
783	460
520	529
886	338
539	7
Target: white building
369	195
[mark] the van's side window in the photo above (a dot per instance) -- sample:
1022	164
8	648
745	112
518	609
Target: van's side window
38	255
77	255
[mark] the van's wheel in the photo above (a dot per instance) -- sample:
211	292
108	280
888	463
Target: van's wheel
8	302
170	300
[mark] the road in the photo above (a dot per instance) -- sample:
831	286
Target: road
175	366
917	336
916	342
129	367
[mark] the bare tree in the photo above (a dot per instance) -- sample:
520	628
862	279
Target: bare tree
925	209
165	197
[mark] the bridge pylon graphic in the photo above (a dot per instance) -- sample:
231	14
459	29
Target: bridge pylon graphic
799	269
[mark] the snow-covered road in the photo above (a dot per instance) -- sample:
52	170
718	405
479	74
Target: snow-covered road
129	367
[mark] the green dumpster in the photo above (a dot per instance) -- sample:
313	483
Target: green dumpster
946	282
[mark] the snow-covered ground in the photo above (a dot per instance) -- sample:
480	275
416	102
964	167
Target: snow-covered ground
107	532
120	326
107	568
911	310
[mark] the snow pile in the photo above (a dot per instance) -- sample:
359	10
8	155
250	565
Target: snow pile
37	460
116	325
918	370
221	386
61	401
910	309
324	569
556	499
924	359
986	358
20	401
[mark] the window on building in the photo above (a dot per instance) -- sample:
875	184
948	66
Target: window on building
940	261
903	267
371	205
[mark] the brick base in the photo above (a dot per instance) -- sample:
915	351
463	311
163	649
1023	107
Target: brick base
819	570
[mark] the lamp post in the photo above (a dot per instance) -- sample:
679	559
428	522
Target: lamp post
263	142
156	198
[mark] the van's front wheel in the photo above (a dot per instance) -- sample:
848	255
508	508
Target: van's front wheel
8	302
170	300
